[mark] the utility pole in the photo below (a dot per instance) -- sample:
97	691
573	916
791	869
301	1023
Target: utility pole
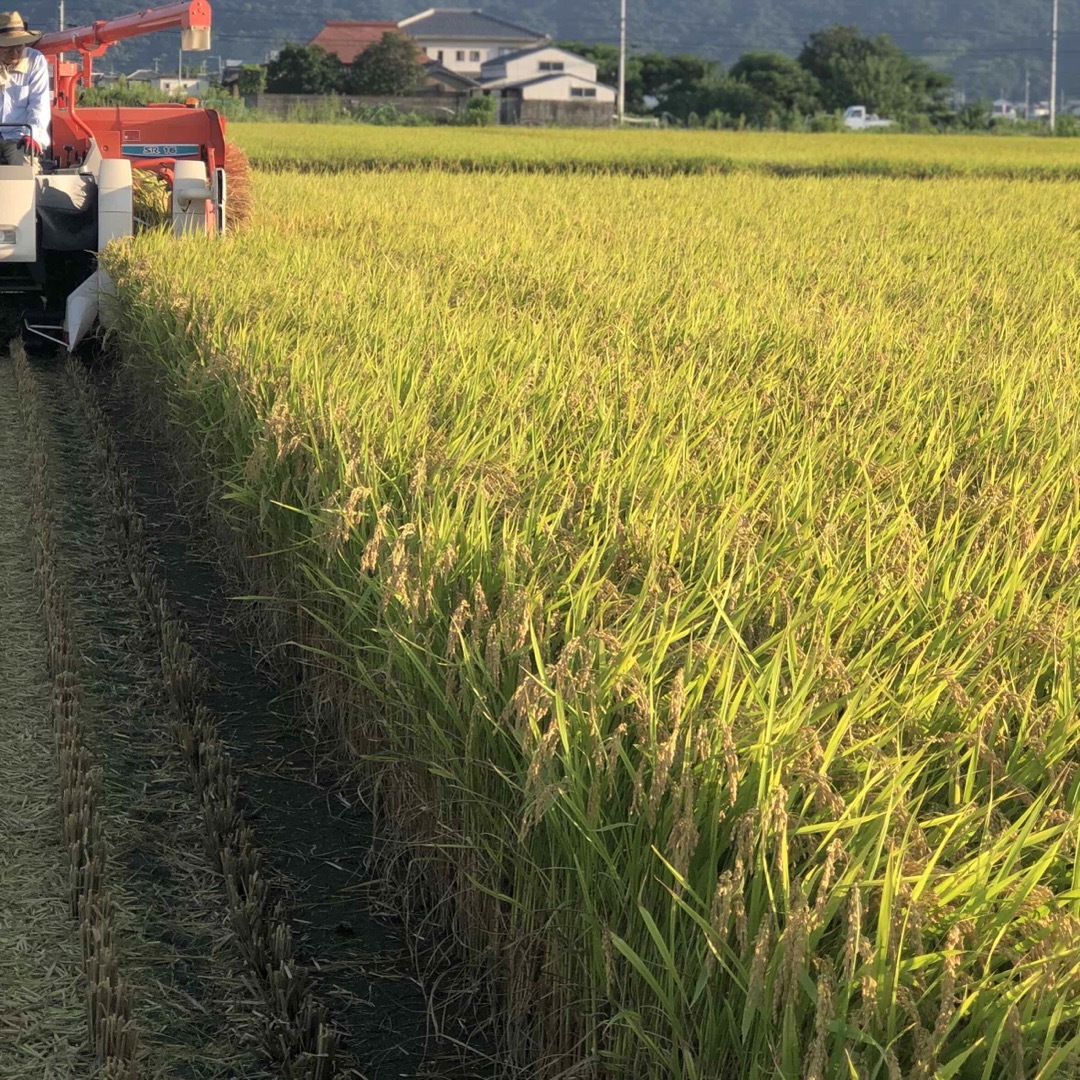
1053	68
1027	92
61	26
622	60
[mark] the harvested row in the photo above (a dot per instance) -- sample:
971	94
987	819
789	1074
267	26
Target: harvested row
112	1031
296	1032
346	148
43	1029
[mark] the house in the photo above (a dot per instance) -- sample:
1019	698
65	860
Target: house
347	40
539	60
445	81
1002	109
170	84
174	87
462	39
545	73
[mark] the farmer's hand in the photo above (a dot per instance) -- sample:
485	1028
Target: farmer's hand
30	145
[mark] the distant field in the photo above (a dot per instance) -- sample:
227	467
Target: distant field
345	148
710	547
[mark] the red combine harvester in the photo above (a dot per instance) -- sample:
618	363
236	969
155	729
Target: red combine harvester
57	215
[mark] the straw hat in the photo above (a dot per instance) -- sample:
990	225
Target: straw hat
14	31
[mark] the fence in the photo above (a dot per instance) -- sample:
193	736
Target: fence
531	113
435	106
512	110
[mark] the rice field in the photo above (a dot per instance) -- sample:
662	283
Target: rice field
351	147
692	559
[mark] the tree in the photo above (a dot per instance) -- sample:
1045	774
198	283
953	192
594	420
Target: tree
856	70
731	98
251	79
390	65
783	86
675	81
303	69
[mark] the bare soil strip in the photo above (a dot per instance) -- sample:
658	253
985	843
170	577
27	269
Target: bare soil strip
43	1033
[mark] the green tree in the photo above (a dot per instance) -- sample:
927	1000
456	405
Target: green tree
303	69
783	85
251	79
390	65
120	92
676	82
853	69
729	98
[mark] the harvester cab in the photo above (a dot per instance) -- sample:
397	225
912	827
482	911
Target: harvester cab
57	215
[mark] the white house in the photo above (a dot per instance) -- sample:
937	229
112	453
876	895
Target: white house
560	88
539	60
545	73
193	87
170	84
463	39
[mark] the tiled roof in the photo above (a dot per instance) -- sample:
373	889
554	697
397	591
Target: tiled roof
466	24
435	70
346	40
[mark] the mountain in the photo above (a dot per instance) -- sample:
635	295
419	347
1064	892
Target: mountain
987	45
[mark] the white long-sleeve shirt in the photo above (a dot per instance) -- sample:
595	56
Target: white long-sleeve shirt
27	99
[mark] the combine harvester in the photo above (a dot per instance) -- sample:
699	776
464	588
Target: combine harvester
57	215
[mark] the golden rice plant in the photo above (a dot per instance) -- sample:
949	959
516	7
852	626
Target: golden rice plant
705	552
350	147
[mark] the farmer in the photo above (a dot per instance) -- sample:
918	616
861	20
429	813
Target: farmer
25	95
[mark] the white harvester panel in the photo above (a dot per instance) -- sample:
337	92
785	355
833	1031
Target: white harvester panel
116	217
192	199
115	220
18	226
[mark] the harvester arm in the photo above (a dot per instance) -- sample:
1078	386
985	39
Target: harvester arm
193	19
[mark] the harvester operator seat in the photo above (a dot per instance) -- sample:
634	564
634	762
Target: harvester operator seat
67	210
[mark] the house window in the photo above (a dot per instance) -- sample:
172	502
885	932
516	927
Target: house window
582	91
474	54
551	65
439	57
459	55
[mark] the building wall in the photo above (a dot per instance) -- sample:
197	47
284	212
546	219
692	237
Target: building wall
563	90
473	53
177	86
528	67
